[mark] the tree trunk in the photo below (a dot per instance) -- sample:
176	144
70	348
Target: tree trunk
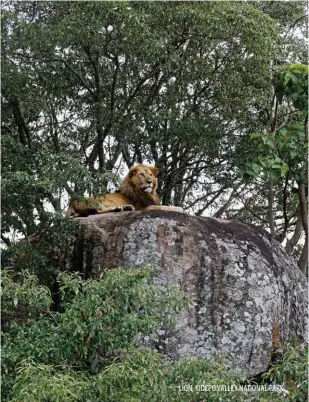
303	261
296	235
270	209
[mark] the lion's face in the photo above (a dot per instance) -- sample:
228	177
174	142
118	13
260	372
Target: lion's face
144	177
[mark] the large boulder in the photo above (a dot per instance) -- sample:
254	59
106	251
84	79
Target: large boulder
250	293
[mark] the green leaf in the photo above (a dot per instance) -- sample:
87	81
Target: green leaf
256	168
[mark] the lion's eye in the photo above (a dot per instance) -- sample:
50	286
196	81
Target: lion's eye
142	174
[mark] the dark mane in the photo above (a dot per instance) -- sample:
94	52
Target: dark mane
137	196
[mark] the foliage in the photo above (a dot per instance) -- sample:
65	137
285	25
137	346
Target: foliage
99	318
291	370
144	375
40	382
284	150
35	183
157	82
22	297
88	352
292	82
279	155
43	251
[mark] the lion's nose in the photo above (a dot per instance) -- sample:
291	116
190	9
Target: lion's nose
149	181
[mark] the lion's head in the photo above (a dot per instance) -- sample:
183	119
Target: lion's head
144	177
140	185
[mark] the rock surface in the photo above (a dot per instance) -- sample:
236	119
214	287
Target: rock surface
249	290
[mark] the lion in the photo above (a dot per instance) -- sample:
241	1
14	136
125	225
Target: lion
138	191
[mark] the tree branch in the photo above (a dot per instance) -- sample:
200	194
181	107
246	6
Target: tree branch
224	207
271	221
6	241
201	210
291	243
297	20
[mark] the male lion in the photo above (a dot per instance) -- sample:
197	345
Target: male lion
137	192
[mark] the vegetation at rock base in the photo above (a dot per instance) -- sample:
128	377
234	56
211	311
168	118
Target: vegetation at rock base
88	351
90	88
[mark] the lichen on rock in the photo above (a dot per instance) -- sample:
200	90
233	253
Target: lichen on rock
244	281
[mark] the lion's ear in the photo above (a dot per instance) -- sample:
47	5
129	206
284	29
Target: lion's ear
133	171
154	171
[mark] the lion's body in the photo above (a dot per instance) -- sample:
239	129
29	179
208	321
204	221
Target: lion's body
137	192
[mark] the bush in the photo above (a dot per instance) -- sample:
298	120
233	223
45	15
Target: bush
292	371
99	319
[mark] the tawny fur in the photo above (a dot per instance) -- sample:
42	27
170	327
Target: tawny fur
137	192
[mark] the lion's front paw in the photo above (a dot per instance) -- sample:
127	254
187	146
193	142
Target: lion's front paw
118	209
128	208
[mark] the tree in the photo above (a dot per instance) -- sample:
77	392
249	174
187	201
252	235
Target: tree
283	153
181	85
